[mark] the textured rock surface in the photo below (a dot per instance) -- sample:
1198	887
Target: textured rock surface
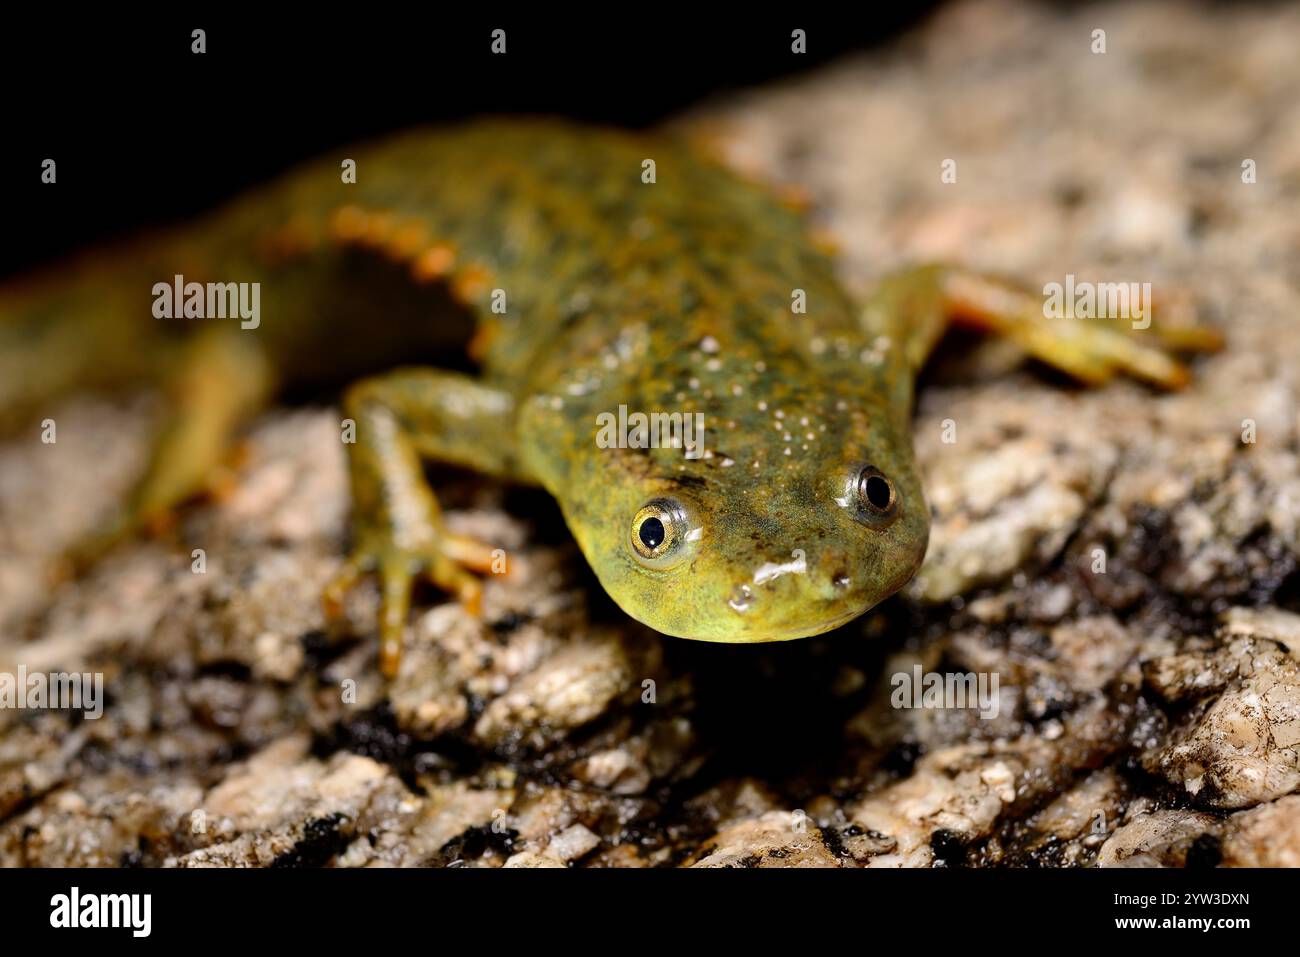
1149	715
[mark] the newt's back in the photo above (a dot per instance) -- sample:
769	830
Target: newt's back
563	237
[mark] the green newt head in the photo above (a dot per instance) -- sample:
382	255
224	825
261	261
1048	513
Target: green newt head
800	513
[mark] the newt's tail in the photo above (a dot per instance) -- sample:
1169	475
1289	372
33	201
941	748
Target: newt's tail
81	325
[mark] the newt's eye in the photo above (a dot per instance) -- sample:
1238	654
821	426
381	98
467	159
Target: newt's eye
659	532
876	499
652	532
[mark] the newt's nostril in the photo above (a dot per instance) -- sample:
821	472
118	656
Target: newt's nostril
841	580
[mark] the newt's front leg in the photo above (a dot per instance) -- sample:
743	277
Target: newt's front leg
401	418
916	306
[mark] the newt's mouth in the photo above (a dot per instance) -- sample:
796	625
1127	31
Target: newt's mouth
808	631
759	635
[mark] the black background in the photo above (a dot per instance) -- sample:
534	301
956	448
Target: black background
459	910
145	132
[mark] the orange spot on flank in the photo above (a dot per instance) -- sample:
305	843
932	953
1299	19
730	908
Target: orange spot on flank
434	263
470	283
406	241
348	224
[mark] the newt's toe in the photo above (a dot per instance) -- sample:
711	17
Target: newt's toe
442	561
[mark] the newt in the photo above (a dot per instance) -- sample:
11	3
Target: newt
590	287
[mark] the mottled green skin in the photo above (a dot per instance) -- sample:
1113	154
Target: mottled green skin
612	286
792	410
672	296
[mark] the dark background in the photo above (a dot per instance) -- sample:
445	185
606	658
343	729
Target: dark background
145	132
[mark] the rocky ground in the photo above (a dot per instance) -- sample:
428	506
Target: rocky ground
1150	713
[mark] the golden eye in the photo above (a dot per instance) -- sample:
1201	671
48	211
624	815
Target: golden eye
658	532
875	492
876	499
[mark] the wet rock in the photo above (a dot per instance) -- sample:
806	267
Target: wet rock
569	689
956	797
1266	836
1239	743
776	839
283	809
1071	829
1159	839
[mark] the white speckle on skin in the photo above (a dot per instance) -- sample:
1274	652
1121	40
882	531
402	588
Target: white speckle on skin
584	383
772	570
708	345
